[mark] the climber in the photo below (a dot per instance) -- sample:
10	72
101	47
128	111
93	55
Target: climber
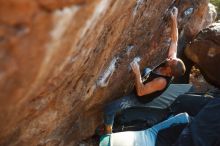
158	81
161	76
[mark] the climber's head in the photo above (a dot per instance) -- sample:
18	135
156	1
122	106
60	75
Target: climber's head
177	67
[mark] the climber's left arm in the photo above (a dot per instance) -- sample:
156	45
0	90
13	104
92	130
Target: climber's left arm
174	34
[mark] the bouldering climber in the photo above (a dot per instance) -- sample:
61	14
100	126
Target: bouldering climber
154	84
161	76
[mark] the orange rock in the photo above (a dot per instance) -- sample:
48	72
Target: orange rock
204	52
53	60
56	4
14	12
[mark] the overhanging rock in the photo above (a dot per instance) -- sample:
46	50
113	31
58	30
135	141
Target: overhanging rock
205	52
62	62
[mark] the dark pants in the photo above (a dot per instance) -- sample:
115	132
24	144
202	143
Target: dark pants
193	104
204	130
162	102
206	125
189	103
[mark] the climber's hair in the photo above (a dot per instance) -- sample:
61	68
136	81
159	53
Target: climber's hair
178	69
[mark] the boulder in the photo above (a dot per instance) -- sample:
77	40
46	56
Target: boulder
191	28
204	51
61	62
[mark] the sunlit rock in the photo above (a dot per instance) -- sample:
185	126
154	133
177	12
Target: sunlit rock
61	62
204	51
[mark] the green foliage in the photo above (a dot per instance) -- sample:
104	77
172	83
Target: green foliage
216	3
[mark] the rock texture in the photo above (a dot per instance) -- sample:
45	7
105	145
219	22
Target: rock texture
188	33
205	52
62	61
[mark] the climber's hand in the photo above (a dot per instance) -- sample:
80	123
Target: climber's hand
174	13
135	67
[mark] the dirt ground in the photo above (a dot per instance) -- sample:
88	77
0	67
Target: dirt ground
197	79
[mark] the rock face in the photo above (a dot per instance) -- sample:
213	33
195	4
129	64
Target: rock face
61	62
205	52
188	33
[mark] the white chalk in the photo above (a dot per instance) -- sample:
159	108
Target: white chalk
138	5
128	49
137	59
188	11
105	77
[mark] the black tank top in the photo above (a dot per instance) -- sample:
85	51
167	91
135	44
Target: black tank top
149	97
